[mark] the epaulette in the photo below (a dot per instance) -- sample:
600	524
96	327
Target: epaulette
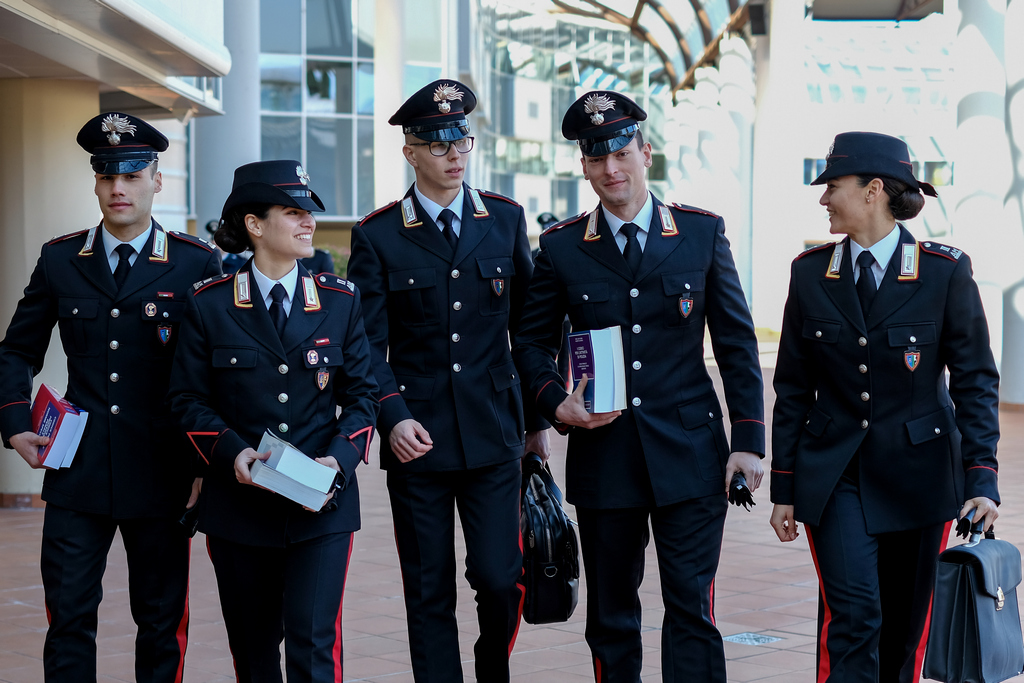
693	209
375	212
952	253
811	250
567	221
338	284
191	239
495	195
203	284
61	238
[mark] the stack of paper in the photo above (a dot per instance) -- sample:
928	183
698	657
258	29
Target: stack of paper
291	473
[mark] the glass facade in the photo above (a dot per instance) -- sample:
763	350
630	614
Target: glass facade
316	96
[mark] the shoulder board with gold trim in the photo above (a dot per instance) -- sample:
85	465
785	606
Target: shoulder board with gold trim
591	234
61	238
567	221
835	264
693	209
952	253
243	290
159	254
203	284
495	195
310	298
811	250
668	223
409	217
89	240
375	212
335	283
190	239
909	254
479	208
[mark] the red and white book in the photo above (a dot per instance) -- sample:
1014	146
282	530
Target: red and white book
63	422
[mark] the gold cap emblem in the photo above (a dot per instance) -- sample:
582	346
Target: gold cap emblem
595	104
114	125
303	176
444	94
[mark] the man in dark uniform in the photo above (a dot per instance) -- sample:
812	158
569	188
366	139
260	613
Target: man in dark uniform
443	274
117	293
660	272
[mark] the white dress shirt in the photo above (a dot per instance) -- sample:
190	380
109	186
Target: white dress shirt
882	250
110	243
434	209
642	219
265	284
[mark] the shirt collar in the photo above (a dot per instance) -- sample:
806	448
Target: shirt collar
882	250
642	218
138	243
434	209
266	284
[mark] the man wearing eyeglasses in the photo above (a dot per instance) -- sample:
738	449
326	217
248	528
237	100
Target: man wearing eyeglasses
443	275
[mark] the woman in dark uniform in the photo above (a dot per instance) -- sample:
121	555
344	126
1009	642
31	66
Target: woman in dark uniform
872	450
273	348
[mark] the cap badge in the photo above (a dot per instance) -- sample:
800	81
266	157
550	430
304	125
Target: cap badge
444	94
595	104
114	125
303	176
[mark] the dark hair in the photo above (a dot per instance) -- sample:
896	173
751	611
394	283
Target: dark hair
904	201
639	137
232	235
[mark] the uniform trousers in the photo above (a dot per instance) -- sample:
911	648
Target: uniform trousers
875	593
73	559
423	506
688	539
292	594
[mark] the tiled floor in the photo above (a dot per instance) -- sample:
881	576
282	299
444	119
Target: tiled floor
763	587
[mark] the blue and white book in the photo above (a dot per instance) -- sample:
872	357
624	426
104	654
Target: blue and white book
598	355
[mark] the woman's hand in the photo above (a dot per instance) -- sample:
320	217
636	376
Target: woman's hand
784	524
986	510
243	461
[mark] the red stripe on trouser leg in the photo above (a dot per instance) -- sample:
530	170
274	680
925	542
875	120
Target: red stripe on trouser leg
919	655
711	603
337	651
522	595
824	663
182	633
597	669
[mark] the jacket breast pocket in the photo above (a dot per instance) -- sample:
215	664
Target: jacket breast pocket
414	295
684	298
914	334
161	318
823	331
495	281
583	298
81	334
234	357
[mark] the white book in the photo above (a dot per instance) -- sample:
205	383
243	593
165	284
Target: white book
598	355
291	473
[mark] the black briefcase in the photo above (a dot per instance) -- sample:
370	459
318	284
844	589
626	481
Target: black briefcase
551	562
975	634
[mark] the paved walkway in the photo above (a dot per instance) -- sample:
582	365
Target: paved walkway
764	587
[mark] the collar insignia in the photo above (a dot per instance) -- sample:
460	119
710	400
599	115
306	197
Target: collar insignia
445	93
159	254
836	263
479	208
595	104
909	254
89	240
409	217
591	234
114	125
668	222
243	297
309	294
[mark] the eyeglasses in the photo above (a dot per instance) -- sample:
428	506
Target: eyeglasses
440	149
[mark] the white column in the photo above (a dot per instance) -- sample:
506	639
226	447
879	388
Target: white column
389	165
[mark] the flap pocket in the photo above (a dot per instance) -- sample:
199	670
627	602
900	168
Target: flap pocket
822	330
504	375
417	278
816	421
940	423
84	309
326	356
415	388
163	310
700	412
491	268
681	283
234	357
907	335
997	561
587	293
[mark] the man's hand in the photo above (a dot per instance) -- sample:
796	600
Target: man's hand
571	411
197	486
537	442
985	509
784	524
409	440
27	444
748	463
244	460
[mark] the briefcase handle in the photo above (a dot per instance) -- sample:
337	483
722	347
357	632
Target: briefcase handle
967	528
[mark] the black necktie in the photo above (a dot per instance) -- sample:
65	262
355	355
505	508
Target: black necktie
277	313
631	252
124	251
446	217
866	286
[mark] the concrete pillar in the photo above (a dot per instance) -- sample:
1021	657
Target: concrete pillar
223	143
389	166
46	189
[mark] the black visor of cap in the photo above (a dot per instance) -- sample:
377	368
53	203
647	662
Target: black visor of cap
442	132
265	193
122	162
599	147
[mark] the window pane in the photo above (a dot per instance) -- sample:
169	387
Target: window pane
418	76
366	28
280	83
329	27
280	28
364	162
329	162
329	86
280	137
364	88
423	32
